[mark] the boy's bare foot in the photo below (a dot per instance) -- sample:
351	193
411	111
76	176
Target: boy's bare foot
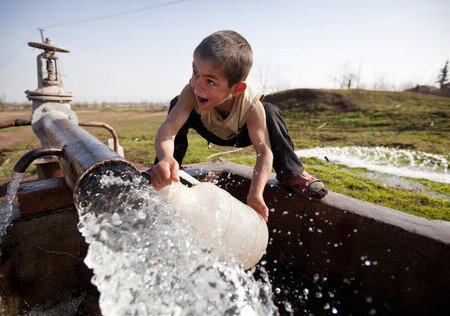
306	186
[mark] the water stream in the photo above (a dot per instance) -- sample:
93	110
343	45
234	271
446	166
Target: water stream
147	260
6	207
7	214
397	162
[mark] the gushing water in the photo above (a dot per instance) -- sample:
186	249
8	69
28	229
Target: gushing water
6	207
147	260
6	215
399	162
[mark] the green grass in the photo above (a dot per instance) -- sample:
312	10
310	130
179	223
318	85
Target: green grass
434	186
10	157
353	183
392	119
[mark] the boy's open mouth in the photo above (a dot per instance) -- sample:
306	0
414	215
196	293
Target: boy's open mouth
202	100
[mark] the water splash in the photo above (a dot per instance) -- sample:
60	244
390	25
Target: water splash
147	260
6	207
398	162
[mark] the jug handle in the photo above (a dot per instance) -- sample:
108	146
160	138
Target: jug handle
187	177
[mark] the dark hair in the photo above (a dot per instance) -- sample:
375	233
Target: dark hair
230	51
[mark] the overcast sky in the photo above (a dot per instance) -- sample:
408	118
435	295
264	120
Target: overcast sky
146	55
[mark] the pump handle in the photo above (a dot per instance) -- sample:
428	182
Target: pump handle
48	47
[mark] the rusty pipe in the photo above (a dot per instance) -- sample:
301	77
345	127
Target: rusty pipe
26	160
81	152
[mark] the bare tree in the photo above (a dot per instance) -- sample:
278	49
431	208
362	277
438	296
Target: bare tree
345	77
2	100
381	83
268	77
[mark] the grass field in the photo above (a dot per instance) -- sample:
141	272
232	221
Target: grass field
392	119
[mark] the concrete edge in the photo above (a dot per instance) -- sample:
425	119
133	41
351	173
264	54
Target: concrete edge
438	230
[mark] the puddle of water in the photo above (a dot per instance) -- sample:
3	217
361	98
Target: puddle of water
402	183
148	261
397	162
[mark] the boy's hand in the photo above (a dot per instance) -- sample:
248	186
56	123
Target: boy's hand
164	173
257	203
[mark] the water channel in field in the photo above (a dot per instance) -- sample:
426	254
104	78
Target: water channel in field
397	162
392	166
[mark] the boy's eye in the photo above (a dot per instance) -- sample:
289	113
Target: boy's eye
210	82
194	72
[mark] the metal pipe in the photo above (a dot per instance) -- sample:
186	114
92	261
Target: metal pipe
26	160
55	124
106	126
81	151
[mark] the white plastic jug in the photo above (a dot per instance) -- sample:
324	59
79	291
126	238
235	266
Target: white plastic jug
228	226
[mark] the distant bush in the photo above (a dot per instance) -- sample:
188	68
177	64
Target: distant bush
13	106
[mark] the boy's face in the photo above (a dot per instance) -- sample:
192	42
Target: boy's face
209	84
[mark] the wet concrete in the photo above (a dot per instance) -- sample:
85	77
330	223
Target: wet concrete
42	261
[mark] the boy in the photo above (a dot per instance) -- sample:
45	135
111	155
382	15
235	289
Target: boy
223	109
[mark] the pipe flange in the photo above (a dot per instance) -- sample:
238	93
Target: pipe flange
56	110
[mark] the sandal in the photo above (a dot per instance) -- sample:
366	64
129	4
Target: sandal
306	186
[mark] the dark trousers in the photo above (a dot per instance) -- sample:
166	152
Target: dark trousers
285	161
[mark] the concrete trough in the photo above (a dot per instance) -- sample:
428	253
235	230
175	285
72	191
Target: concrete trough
335	255
372	259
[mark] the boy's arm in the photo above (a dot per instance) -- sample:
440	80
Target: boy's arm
257	130
166	170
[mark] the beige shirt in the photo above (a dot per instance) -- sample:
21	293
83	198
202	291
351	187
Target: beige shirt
231	126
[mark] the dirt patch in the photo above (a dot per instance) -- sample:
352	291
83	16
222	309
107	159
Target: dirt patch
12	138
312	100
15	138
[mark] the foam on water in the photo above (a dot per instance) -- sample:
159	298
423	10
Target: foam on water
147	260
398	162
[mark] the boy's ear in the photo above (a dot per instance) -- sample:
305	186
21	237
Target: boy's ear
239	88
